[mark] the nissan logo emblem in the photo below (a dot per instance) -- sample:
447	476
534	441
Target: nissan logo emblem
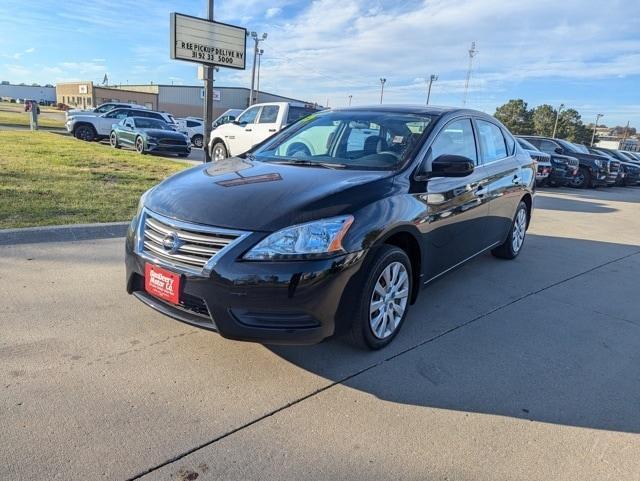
171	242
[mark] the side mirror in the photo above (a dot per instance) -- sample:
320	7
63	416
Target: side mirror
558	150
451	166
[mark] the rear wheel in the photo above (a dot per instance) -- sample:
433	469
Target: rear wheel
515	240
85	132
113	140
196	140
384	303
139	145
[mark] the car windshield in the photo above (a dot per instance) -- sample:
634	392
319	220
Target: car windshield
379	140
581	148
527	145
142	123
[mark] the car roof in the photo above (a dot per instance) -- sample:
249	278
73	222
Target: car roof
413	109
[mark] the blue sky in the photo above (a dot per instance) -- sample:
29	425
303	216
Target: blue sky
584	54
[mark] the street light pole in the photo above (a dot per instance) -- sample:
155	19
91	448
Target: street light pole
208	97
260	52
555	126
382	82
350	98
432	79
593	136
256	41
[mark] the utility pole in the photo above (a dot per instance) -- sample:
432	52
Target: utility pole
432	79
382	82
260	52
350	98
626	133
256	41
208	97
472	53
593	136
555	126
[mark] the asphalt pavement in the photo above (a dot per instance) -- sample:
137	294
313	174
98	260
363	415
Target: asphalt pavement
504	370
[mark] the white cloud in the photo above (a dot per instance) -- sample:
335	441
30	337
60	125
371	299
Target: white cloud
273	12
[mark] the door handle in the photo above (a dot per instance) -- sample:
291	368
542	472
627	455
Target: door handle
516	180
480	191
247	130
272	130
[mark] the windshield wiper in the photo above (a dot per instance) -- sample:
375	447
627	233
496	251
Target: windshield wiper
309	163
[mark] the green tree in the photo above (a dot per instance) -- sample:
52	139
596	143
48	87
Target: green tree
543	118
571	127
515	116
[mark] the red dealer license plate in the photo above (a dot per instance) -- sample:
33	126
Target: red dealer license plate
162	283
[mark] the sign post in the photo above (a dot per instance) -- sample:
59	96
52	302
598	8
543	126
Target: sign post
210	44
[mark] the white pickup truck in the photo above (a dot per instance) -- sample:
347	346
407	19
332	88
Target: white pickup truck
255	124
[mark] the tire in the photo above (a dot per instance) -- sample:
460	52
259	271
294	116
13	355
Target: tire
139	145
582	180
389	262
113	140
85	132
197	141
219	152
512	246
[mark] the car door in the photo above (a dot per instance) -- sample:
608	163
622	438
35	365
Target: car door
503	176
127	134
453	230
267	123
239	136
104	123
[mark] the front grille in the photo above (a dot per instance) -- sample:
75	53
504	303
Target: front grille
189	246
172	142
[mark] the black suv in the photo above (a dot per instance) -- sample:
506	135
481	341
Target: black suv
564	168
628	164
332	225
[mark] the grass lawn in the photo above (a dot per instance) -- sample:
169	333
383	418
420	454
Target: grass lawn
48	179
22	118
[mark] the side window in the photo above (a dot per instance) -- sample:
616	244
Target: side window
296	113
249	117
511	143
269	114
547	146
455	139
491	141
192	123
116	114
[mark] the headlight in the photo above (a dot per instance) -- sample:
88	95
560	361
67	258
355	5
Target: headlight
599	163
152	140
317	239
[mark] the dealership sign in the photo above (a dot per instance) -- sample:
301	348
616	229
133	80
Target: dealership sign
211	43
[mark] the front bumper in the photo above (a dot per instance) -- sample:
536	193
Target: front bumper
170	149
300	302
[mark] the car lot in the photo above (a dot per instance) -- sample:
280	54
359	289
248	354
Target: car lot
499	365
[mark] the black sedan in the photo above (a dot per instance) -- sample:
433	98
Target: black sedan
149	135
332	225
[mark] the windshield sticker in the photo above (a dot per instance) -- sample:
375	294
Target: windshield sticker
398	139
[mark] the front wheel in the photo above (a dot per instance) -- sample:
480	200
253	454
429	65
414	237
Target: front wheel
139	145
113	140
85	132
582	180
513	245
384	303
219	152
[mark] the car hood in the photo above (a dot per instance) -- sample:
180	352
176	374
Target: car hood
257	196
165	134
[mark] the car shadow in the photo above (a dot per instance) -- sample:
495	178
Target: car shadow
571	205
549	337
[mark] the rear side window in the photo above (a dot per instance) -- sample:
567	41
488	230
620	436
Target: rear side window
269	114
455	139
191	123
492	142
511	143
296	113
547	146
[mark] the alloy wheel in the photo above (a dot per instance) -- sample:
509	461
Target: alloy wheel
219	153
139	145
389	300
519	230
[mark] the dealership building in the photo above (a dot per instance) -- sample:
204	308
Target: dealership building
46	93
179	100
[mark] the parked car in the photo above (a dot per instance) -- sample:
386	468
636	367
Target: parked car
149	135
629	165
254	125
227	117
593	169
564	168
193	128
279	248
102	109
613	165
543	160
90	127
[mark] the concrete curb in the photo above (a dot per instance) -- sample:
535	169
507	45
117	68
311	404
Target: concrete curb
63	233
